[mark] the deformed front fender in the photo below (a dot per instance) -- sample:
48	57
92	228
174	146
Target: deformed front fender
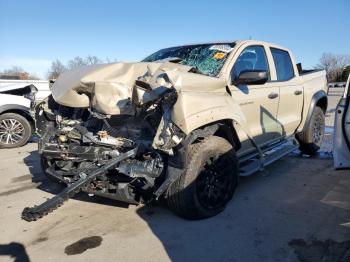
196	109
202	100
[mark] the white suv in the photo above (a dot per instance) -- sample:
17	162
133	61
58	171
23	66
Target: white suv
16	122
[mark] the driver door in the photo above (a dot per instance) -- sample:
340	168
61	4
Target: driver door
341	139
259	103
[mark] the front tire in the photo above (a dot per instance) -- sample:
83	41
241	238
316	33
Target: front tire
311	139
15	130
209	181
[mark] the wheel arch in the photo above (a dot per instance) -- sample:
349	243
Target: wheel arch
223	128
319	99
322	103
20	110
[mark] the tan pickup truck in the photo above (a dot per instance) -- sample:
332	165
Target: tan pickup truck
181	125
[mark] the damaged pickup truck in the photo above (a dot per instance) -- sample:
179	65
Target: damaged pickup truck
181	125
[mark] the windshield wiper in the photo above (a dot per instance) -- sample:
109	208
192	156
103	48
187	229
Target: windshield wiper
176	60
195	70
179	60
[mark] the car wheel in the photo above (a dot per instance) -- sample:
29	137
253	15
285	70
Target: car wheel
310	141
209	181
15	130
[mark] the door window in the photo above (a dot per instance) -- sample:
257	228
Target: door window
283	64
251	58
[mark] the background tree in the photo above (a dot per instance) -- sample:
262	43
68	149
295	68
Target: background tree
91	60
334	65
76	62
14	70
17	72
56	68
344	76
79	61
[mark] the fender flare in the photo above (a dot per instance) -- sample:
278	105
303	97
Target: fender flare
14	107
315	98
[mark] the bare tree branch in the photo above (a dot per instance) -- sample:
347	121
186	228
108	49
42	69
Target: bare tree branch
333	64
57	67
76	62
91	60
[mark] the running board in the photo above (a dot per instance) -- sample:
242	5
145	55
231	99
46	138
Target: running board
252	163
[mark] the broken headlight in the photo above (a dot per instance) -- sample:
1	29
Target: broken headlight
168	136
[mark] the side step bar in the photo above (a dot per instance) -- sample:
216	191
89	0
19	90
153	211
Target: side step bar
252	163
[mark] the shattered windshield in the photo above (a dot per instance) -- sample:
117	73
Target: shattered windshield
208	59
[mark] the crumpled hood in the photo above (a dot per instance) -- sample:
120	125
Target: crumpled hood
111	86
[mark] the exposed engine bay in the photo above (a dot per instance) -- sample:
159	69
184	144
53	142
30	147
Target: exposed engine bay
79	140
128	154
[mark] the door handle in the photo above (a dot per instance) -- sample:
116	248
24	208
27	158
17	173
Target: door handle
272	95
298	92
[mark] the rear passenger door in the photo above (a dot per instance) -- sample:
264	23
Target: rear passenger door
290	107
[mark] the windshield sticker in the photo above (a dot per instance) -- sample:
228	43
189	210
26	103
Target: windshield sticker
219	56
222	48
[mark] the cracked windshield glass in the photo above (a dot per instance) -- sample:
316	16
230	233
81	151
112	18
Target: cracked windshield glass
207	59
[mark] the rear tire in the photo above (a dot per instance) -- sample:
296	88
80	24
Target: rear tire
209	181
311	139
15	130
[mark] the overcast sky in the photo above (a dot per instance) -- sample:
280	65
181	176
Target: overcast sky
34	33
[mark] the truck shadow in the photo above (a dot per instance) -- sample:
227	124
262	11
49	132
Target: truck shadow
236	234
32	161
268	213
219	238
14	250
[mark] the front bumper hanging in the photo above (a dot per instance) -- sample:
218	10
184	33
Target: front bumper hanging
37	212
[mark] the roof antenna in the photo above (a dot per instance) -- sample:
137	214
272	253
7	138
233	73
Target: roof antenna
250	37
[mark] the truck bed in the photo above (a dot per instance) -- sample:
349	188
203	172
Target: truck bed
316	78
309	71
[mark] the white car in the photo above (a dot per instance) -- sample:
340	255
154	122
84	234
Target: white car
341	139
16	121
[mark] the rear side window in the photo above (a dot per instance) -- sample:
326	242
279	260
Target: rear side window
283	64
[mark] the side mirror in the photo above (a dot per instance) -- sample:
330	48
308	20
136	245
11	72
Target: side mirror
251	77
